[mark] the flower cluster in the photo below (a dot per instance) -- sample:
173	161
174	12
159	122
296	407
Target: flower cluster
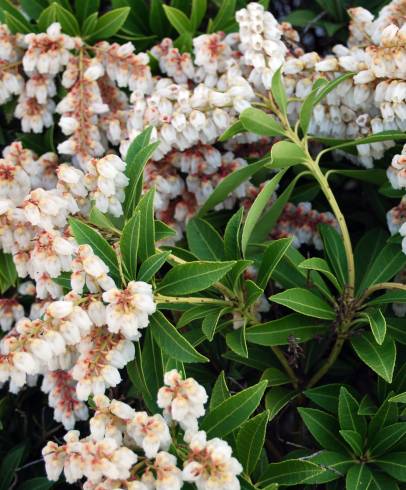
130	449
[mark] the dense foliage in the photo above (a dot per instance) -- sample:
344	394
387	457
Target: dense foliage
202	245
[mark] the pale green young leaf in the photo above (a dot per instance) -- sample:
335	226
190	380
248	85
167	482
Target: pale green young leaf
178	20
129	242
286	154
278	91
257	208
258	122
109	24
234	129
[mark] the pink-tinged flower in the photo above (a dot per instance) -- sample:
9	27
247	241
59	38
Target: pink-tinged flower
61	389
88	269
182	399
48	52
128	310
210	465
150	433
163	474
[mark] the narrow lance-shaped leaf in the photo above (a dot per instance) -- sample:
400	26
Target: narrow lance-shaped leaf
257	208
377	323
232	412
171	341
129	245
250	441
305	302
258	122
193	277
380	358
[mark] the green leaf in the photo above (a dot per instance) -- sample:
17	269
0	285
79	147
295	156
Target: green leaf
374	138
178	20
136	374
204	240
383	440
348	413
225	13
257	208
151	266
380	358
38	483
194	313
84	8
232	246
325	396
233	411
100	220
231	182
234	129
290	472
258	122
271	258
305	302
10	462
386	265
400	398
84	234
109	24
359	477
171	341
219	393
382	482
306	110
158	22
366	406
163	231
336	465
250	440
199	8
16	24
193	277
280	331
237	341
335	252
8	272
377	323
152	363
89	25
136	160
278	91
68	21
276	399
8	8
145	209
323	427
275	377
210	322
354	440
286	154
34	8
394	464
322	266
129	245
386	414
392	296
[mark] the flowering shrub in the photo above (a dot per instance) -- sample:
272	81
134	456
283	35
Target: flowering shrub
202	246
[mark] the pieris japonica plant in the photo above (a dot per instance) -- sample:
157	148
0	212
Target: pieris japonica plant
202	259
